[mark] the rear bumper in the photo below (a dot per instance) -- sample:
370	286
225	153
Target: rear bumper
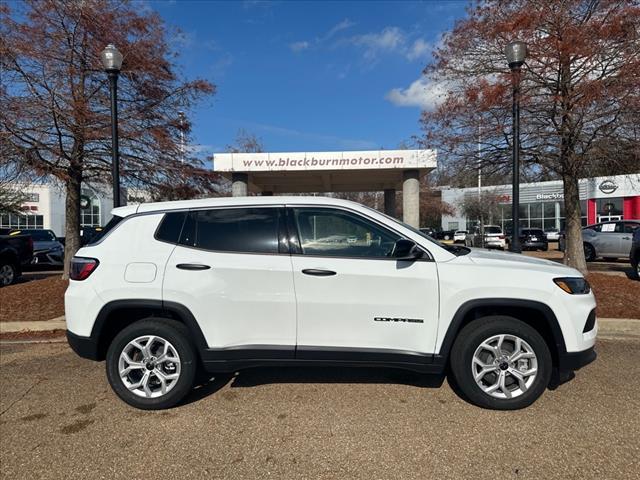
86	347
571	361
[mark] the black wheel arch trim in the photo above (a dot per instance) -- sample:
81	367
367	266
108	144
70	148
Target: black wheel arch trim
158	307
456	324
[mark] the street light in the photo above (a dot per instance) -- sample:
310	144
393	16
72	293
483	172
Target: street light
181	118
112	62
516	53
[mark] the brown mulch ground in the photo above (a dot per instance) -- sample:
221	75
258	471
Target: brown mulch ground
56	335
617	295
33	300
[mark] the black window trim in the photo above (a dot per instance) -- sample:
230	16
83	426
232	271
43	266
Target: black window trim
294	236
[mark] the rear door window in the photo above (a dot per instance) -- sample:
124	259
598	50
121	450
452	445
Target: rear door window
240	230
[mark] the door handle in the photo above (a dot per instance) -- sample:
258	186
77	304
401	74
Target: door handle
318	272
192	266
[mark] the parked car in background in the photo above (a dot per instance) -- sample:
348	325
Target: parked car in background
607	239
445	235
533	239
553	234
47	249
460	236
634	254
16	251
428	231
494	237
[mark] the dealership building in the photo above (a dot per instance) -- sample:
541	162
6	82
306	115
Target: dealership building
542	203
45	207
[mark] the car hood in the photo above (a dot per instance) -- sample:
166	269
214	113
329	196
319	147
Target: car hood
516	260
46	245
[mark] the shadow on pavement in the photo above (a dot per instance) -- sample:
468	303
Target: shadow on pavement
252	377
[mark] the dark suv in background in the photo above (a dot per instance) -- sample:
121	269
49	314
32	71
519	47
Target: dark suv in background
533	239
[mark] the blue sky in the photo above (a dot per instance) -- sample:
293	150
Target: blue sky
309	75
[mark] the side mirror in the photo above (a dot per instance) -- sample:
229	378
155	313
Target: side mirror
407	250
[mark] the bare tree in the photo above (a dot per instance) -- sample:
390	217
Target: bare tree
580	94
55	100
246	142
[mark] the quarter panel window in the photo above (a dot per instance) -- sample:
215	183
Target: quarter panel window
171	226
242	230
335	233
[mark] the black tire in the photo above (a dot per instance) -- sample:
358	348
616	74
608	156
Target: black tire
474	334
8	274
545	248
589	252
170	330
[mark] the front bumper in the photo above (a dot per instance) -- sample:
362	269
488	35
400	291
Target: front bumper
48	257
571	361
85	347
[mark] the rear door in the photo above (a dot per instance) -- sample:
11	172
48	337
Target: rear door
354	300
231	271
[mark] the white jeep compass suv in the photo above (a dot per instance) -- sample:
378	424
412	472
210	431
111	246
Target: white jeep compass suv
229	283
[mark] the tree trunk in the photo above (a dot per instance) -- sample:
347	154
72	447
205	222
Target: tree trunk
573	250
72	224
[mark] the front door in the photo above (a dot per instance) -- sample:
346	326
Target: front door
353	298
231	272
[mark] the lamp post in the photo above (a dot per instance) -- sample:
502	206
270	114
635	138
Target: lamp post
516	53
112	62
181	118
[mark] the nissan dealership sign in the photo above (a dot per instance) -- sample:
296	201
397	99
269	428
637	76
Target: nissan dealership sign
297	161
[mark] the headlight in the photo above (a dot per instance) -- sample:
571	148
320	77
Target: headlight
573	285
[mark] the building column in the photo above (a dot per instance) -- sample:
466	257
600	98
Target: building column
239	184
411	197
390	201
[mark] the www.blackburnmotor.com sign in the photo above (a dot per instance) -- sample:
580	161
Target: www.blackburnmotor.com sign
353	160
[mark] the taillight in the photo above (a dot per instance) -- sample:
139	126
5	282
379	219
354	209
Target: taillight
501	237
82	267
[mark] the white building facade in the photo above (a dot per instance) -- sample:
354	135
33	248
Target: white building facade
45	208
542	203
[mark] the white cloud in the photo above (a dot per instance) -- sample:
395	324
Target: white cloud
298	46
389	40
418	50
422	93
343	25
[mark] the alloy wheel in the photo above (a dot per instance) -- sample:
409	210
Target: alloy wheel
504	366
149	366
6	275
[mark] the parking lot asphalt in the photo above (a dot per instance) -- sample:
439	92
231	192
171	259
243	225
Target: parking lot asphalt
59	419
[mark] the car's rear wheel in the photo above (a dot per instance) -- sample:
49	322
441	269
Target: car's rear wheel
8	274
151	364
500	363
589	252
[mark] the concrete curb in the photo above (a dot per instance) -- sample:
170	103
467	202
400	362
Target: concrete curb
607	327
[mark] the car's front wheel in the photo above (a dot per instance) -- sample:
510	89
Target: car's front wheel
151	364
500	363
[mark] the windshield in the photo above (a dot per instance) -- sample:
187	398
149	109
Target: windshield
41	235
457	250
492	230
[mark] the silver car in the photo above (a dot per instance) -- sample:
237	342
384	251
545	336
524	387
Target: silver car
608	239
